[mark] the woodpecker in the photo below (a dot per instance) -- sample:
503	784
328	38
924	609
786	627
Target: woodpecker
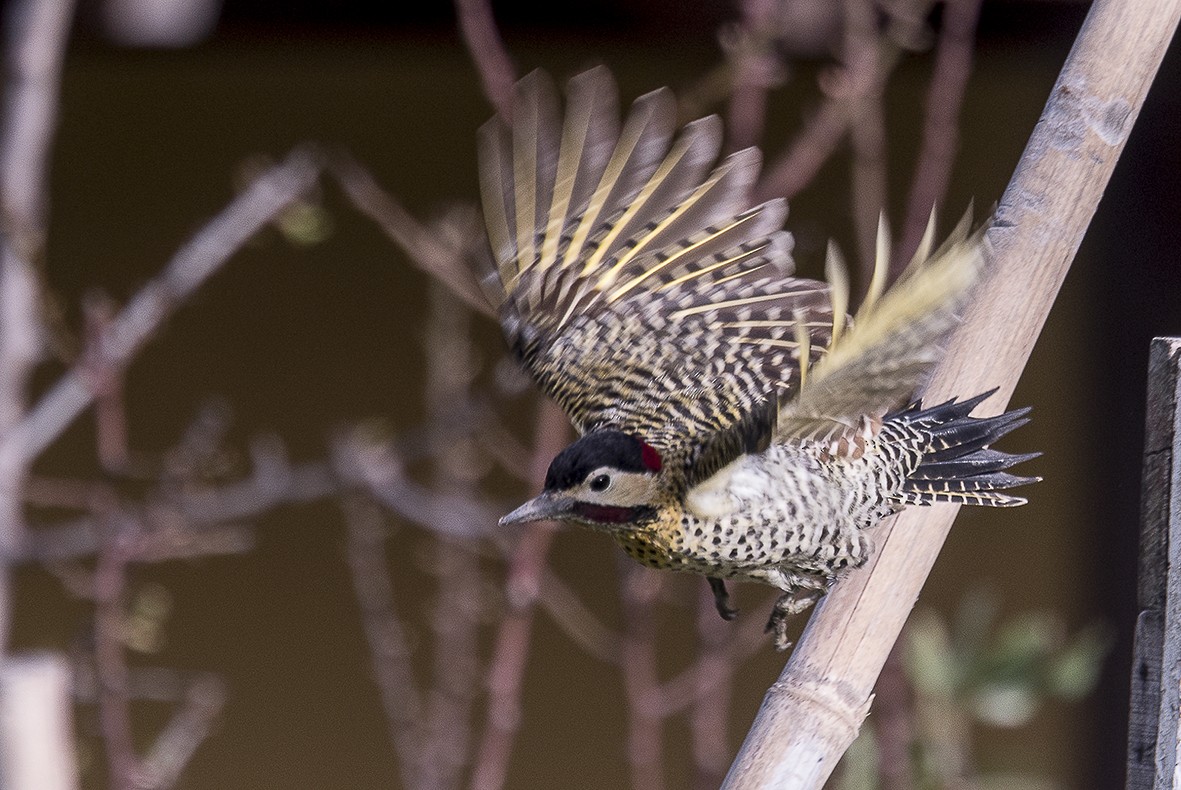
735	422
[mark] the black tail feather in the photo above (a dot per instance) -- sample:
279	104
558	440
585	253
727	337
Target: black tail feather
977	463
958	464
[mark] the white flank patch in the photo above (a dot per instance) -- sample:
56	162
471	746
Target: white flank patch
732	488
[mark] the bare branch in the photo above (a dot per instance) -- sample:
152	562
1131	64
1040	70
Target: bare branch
511	650
639	589
497	73
953	66
189	727
114	706
37	31
193	264
750	46
36	731
427	249
812	714
388	646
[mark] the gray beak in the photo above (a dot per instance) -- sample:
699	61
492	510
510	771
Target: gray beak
545	507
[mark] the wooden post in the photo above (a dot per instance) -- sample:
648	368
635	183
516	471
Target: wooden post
1156	662
811	715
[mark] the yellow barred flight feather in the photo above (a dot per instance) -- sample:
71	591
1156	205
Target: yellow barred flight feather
630	260
893	341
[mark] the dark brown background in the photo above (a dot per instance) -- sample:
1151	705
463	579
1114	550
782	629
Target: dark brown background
300	340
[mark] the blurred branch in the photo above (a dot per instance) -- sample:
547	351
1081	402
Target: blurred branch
36	731
427	248
945	96
750	47
389	650
861	76
865	46
484	44
110	414
114	706
459	598
526	567
36	32
188	728
894	724
191	521
811	715
576	620
743	639
639	589
710	713
36	738
200	258
378	467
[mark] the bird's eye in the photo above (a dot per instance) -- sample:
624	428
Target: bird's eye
600	483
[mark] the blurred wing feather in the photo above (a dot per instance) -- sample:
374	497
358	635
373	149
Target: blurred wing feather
633	278
883	358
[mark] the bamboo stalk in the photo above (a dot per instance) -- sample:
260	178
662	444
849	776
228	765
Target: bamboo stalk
813	712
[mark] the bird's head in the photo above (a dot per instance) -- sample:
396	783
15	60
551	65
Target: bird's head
607	480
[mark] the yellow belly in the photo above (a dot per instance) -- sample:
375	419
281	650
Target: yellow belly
656	548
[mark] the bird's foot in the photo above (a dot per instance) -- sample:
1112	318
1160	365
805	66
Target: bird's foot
788	605
721	598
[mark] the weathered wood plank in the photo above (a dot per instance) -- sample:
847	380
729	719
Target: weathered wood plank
1156	667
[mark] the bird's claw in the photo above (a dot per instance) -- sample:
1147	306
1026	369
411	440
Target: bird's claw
722	598
786	606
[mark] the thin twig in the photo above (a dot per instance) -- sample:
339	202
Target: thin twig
756	69
193	264
188	728
639	588
114	706
953	66
389	650
507	667
484	44
427	248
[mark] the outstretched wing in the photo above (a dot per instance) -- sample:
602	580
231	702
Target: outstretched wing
633	278
893	343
